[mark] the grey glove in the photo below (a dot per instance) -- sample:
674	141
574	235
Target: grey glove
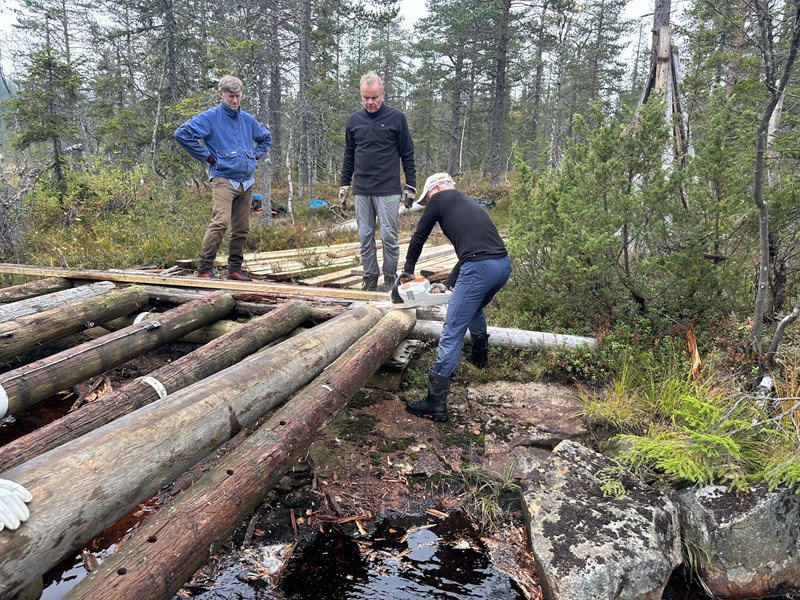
12	504
438	288
409	195
344	192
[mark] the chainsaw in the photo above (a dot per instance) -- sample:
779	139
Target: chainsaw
416	293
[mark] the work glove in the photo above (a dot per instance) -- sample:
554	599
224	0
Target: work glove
12	504
405	277
409	195
438	288
344	192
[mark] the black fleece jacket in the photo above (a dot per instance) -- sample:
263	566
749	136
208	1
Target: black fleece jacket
465	223
375	144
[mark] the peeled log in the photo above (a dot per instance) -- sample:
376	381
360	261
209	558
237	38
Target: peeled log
203	362
85	485
431	331
23	308
33	383
165	552
33	289
160	294
22	334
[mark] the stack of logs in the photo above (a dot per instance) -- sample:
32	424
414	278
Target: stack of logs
92	466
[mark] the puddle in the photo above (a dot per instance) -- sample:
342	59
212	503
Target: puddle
408	558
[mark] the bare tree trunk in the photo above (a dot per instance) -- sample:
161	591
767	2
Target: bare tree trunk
776	84
499	109
304	155
170	56
275	89
166	551
267	60
455	115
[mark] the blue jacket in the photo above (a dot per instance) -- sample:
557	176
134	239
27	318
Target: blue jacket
234	138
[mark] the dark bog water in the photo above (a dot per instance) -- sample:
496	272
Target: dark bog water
405	559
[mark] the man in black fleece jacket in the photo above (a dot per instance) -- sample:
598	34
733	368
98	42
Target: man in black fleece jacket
482	270
377	140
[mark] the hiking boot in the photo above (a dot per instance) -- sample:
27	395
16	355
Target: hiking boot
206	275
388	282
238	276
480	351
434	406
369	284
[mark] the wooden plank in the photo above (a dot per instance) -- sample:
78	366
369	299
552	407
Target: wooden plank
190	282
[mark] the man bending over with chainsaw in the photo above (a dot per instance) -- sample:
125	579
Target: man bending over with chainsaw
482	270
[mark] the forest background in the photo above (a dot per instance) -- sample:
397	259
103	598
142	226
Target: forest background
616	228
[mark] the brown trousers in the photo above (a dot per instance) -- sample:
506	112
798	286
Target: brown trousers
231	209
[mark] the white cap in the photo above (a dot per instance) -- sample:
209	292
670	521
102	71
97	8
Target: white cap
433	180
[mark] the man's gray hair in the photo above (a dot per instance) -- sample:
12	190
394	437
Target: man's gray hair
230	84
370	78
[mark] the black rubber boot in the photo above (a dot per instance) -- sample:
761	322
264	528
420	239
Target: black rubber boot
434	406
480	351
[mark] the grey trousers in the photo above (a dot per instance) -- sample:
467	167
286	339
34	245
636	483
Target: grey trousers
383	210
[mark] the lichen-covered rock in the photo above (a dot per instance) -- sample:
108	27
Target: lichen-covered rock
591	547
746	544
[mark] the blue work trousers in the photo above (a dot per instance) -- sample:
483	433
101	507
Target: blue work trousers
477	284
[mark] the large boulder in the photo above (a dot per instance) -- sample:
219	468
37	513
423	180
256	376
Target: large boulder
746	545
590	547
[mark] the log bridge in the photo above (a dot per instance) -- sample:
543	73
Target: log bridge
92	466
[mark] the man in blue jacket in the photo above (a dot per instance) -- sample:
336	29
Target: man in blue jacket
233	141
377	142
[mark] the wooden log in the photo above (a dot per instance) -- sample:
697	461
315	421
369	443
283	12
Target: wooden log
201	335
32	383
83	486
251	304
37	304
24	333
431	331
203	362
33	288
172	545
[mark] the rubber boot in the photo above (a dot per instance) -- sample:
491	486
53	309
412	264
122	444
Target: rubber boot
480	351
434	406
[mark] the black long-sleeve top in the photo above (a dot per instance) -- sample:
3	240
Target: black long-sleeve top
375	145
464	222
